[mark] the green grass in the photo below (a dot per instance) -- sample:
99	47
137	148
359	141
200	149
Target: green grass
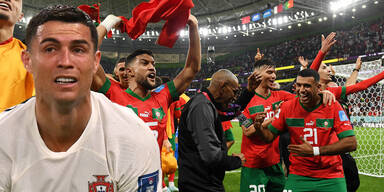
367	183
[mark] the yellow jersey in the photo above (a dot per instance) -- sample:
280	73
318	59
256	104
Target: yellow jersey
16	84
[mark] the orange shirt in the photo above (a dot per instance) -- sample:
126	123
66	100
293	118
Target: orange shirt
16	84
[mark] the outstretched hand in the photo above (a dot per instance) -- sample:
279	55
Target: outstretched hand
258	55
305	149
328	97
327	43
303	62
358	63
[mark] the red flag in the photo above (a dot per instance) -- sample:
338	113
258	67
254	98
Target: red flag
246	20
175	12
92	11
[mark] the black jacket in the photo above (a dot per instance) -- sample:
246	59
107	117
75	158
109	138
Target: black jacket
203	157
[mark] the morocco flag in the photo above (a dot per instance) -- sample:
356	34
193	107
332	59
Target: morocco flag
288	4
278	8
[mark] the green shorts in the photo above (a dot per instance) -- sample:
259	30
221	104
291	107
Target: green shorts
268	179
229	135
297	183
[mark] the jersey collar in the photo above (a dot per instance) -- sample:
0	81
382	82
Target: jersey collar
311	109
7	41
263	96
129	91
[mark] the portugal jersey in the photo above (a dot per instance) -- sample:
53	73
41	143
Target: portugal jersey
16	83
115	153
151	109
320	126
258	153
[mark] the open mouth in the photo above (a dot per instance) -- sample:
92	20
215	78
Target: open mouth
65	80
152	76
304	97
5	6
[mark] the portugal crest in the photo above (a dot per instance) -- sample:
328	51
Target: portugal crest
100	185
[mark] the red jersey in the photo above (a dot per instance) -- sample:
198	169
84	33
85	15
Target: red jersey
151	109
258	153
320	126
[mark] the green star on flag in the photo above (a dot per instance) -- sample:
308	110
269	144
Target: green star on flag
288	4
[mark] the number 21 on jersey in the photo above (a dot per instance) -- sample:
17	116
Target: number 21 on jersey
310	135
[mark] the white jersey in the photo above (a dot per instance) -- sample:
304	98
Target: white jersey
116	152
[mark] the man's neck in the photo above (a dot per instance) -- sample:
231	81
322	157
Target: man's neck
60	126
263	91
313	104
138	89
6	32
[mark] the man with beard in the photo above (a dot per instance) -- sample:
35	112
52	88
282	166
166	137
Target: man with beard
203	157
151	106
318	134
16	83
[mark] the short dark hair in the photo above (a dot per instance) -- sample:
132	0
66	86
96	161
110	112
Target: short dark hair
132	56
62	13
121	60
263	62
309	73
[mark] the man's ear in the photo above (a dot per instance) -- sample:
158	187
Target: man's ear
97	61
20	17
26	58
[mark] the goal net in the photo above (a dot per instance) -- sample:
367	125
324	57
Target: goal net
366	112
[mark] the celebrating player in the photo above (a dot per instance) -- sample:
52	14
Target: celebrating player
319	133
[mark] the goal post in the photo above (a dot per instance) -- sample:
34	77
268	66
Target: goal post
366	112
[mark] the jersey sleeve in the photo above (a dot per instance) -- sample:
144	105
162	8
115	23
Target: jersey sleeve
278	126
109	87
167	92
286	96
5	170
317	61
339	92
363	85
342	125
138	166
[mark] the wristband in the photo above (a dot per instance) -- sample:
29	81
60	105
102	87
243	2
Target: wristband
316	151
110	21
356	70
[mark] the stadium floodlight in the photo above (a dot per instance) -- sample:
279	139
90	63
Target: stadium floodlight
270	30
229	29
279	20
253	33
334	15
289	27
285	19
224	30
235	35
216	37
341	13
325	18
244	27
299	24
274	21
309	22
363	6
340	5
376	2
312	13
320	19
262	32
353	10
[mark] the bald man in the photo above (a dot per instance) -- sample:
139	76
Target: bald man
203	157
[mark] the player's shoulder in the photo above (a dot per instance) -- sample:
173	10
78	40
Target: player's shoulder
17	112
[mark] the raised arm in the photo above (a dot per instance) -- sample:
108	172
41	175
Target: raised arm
326	44
353	78
193	61
110	21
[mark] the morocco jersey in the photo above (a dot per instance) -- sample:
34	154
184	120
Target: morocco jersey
115	153
320	126
16	83
151	109
258	153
